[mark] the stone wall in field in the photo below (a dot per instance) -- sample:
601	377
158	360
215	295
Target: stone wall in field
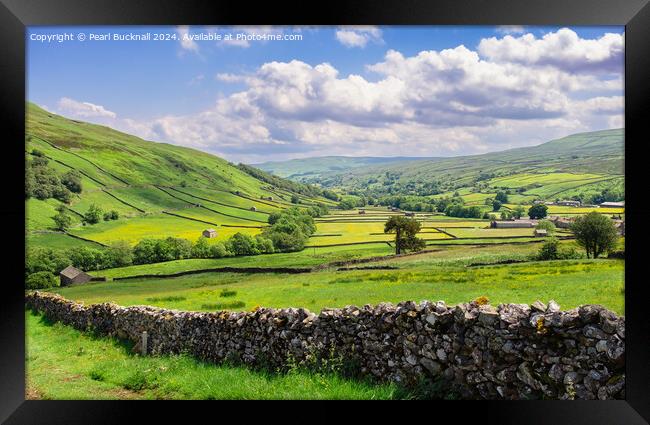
512	351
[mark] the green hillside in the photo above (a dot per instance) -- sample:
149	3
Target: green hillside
308	168
581	163
157	189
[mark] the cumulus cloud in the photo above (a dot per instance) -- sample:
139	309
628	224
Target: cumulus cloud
75	108
562	49
433	103
358	36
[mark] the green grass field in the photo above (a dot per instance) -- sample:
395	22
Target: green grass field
570	283
65	364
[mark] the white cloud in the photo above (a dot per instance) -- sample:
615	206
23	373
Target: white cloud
186	42
562	49
433	103
358	36
78	109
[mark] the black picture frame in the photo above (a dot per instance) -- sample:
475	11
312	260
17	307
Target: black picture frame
15	15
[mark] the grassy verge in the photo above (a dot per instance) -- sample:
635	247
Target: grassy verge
65	364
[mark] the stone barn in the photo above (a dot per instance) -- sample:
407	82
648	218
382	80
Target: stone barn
210	233
409	214
362	211
71	275
541	233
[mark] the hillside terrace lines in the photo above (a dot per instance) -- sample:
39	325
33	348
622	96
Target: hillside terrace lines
123	201
83	158
72	168
216	202
210	209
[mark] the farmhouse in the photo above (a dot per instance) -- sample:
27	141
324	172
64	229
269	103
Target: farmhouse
540	233
568	203
210	233
513	224
612	205
71	275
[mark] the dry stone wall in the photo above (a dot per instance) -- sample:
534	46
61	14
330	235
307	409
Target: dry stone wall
513	351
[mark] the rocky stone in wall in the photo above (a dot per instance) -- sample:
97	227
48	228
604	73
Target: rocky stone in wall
512	351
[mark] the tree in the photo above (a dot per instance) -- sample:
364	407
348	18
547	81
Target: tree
201	248
546	225
496	205
518	211
242	244
596	233
62	219
41	280
86	258
93	215
347	204
72	180
537	211
119	254
295	199
502	197
405	230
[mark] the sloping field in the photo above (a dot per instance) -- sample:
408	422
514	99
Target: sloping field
152	226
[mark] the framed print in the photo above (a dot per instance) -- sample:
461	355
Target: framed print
370	201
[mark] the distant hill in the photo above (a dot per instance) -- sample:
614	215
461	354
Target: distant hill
308	168
584	163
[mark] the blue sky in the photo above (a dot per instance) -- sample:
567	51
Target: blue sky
377	91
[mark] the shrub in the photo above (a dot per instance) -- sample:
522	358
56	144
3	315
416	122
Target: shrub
548	250
482	300
111	215
93	215
546	225
227	293
41	280
223	306
62	219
